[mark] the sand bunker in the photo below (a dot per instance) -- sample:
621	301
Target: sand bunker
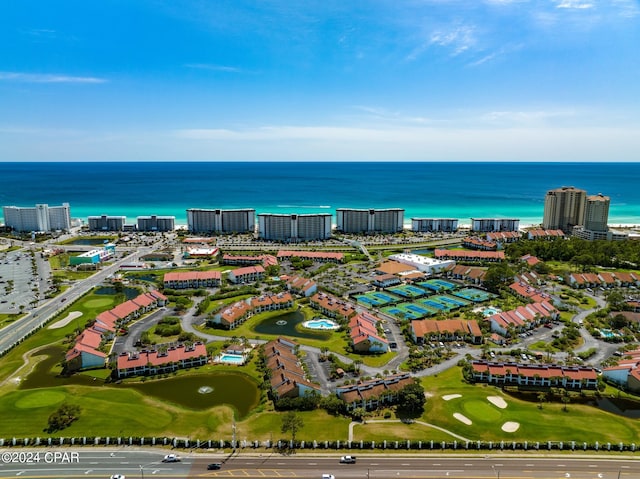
66	320
510	426
497	401
448	397
462	418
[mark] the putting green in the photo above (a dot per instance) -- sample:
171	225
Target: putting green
480	411
40	399
98	302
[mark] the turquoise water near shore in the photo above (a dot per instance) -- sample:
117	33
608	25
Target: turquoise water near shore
454	190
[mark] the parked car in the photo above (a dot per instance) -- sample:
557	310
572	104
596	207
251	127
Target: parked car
214	466
348	460
171	458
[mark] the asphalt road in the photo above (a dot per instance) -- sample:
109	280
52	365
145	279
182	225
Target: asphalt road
101	462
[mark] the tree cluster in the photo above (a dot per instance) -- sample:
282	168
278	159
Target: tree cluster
63	417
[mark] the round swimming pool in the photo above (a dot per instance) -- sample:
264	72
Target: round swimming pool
321	324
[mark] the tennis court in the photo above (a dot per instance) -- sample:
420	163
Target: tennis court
408	291
409	311
376	298
473	294
437	285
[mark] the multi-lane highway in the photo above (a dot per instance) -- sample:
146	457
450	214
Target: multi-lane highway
140	463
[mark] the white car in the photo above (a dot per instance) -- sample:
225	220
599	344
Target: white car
348	460
118	476
171	458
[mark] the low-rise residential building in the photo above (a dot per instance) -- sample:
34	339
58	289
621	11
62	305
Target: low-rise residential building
161	360
364	334
425	330
332	306
539	233
243	260
288	379
316	256
232	316
192	279
535	375
468	256
375	392
480	244
522	318
525	290
468	274
302	286
503	237
248	274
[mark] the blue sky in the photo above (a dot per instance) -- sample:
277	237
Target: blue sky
503	80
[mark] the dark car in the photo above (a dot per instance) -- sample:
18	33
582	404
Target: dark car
214	466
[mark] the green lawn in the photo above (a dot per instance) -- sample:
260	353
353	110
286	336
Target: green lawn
551	423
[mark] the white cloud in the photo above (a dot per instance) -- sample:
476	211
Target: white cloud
47	78
460	38
213	67
579	4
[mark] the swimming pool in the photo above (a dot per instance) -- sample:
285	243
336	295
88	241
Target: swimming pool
230	358
321	324
490	311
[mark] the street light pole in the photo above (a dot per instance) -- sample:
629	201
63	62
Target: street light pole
496	471
141	471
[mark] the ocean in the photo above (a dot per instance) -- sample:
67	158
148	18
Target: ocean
444	190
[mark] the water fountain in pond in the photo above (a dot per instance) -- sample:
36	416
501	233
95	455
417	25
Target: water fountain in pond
205	390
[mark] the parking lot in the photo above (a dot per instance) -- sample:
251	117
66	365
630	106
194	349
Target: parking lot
19	285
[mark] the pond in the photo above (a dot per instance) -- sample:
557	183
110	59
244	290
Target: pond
130	293
285	324
42	377
204	391
620	406
217	388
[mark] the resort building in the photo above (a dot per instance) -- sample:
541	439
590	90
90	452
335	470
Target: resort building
385	280
446	330
502	237
539	233
375	392
288	379
370	221
293	228
42	217
106	223
564	208
432	225
232	316
85	352
161	361
480	244
534	375
422	263
248	274
302	286
626	373
95	256
192	279
596	216
522	318
315	256
243	260
468	274
221	221
332	306
156	223
363	330
466	255
485	225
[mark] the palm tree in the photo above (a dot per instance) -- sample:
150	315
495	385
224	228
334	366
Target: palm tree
542	396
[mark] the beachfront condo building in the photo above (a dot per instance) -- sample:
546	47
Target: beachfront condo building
369	221
596	212
221	221
430	225
564	208
489	225
292	228
596	217
39	218
156	223
106	223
